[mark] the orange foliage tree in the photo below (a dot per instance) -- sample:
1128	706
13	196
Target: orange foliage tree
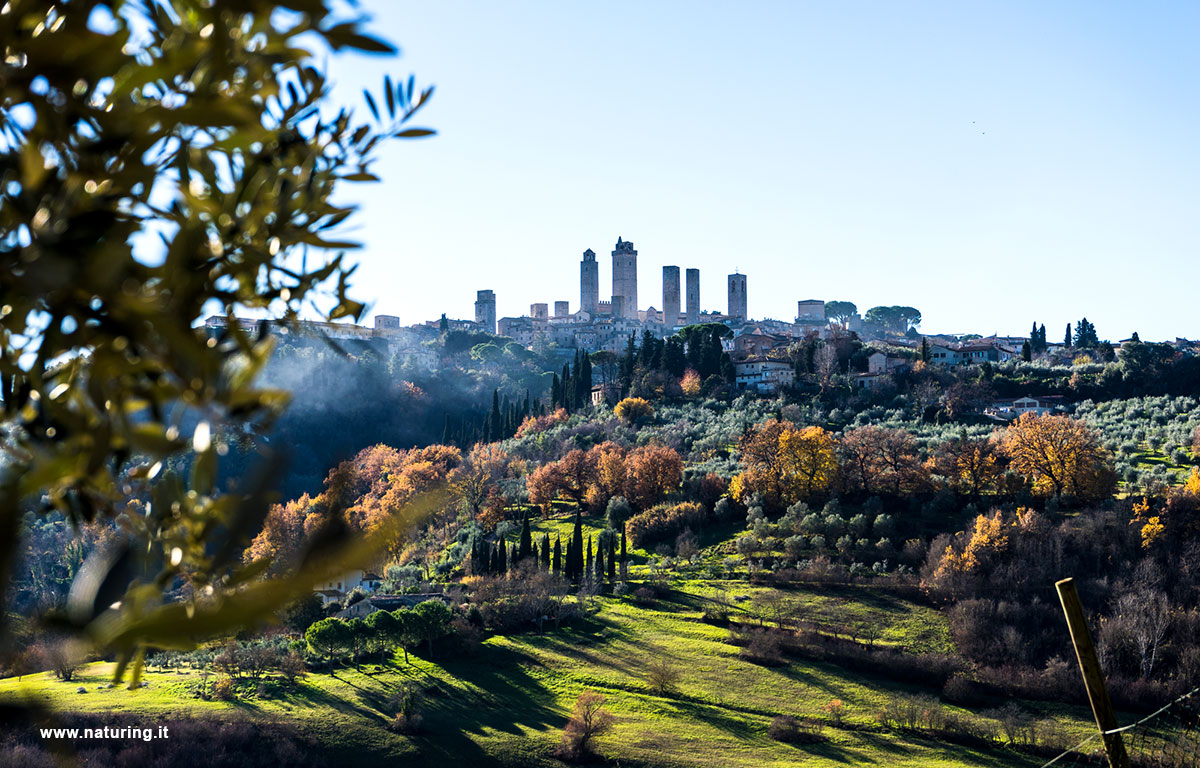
783	464
651	472
878	460
1059	455
970	466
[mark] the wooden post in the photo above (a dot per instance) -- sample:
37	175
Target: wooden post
1093	678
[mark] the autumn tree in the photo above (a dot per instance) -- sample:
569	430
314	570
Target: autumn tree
782	464
651	472
634	410
474	479
971	466
876	460
1059	455
808	461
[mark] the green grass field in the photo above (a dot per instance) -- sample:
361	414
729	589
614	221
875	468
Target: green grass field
507	704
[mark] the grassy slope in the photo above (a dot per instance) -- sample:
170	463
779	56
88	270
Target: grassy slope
508	703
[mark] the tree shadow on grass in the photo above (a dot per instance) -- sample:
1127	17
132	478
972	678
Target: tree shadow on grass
499	695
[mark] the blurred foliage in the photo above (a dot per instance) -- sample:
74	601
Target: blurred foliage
161	160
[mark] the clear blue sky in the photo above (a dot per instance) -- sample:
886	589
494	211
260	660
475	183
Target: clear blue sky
989	163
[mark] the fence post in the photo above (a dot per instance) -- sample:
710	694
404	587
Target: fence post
1093	678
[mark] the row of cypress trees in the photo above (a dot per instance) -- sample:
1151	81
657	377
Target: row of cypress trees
577	561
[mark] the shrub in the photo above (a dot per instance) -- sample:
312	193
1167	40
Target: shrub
764	647
224	689
634	410
664	521
789	730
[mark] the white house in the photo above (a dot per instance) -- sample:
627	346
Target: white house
337	587
1008	409
881	362
763	376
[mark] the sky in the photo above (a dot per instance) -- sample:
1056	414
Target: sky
992	164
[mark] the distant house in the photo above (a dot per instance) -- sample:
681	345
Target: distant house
881	362
763	376
338	587
757	342
871	380
1007	409
369	605
973	353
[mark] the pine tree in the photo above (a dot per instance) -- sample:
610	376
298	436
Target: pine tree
526	546
556	564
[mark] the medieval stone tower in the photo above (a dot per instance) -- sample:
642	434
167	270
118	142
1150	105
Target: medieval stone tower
589	283
670	296
485	310
693	296
624	272
737	296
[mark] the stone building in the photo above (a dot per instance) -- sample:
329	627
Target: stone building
624	277
485	310
589	283
737	297
693	296
671	296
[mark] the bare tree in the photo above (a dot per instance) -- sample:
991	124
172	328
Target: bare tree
588	720
662	676
1148	614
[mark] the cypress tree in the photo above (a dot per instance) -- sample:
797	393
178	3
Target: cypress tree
612	558
493	560
1026	351
924	350
556	565
1042	338
493	434
502	558
555	391
1067	340
624	557
526	546
587	566
545	552
577	546
599	571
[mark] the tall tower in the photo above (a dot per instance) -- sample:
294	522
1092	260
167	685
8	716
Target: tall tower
625	277
485	310
693	296
737	296
670	296
589	283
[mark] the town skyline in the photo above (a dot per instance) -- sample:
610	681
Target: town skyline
990	166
